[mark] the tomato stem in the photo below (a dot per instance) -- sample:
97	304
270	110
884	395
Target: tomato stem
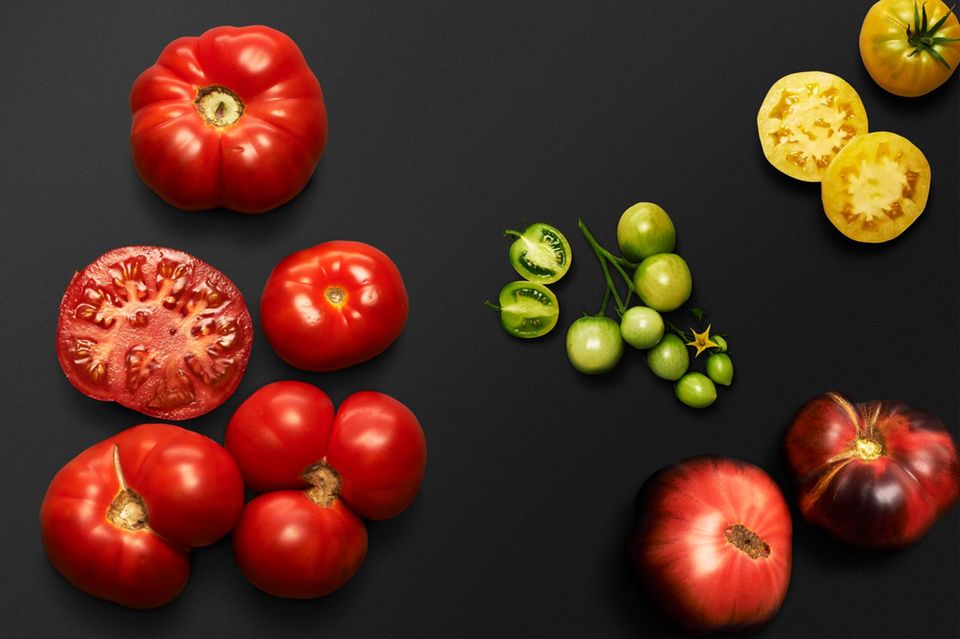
490	304
512	233
604	256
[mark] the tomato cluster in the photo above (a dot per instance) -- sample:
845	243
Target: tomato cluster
319	471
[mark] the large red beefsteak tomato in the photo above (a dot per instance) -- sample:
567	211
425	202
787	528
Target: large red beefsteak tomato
233	118
118	520
713	544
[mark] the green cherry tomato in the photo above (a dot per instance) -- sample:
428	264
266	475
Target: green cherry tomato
527	309
645	229
669	359
641	327
594	344
663	281
695	390
720	342
540	254
720	368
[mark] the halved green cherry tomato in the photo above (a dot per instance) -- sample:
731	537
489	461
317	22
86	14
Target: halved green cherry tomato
645	229
594	344
540	254
696	390
669	359
663	281
641	327
527	309
720	368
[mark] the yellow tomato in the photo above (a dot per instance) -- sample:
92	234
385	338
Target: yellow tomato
876	187
910	47
806	119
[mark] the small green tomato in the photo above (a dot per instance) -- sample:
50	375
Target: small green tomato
540	254
594	344
695	390
720	342
641	327
720	368
669	359
527	309
645	229
663	281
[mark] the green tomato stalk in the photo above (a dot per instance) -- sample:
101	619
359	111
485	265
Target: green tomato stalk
606	259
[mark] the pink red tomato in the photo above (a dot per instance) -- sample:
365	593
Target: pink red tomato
713	544
333	305
156	330
233	118
119	520
326	469
874	474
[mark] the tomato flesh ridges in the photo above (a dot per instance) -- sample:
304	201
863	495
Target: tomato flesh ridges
156	330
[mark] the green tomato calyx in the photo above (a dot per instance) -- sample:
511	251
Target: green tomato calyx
924	38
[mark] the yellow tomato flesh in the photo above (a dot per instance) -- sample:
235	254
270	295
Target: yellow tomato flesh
889	56
806	119
876	187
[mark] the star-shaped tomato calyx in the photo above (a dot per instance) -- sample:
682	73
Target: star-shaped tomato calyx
702	341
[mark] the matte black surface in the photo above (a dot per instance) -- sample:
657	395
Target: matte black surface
448	123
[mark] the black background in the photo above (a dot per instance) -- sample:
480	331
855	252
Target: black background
448	123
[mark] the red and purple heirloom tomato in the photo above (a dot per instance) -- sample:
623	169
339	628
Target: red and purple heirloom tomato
876	474
233	118
713	544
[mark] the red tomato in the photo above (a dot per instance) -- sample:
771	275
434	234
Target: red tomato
118	520
334	305
876	474
156	330
368	459
233	118
713	544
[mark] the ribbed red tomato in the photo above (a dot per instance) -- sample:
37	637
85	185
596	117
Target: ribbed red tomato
156	330
233	118
875	474
333	305
713	544
305	539
118	521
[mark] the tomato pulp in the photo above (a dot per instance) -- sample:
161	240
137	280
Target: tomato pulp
118	520
305	539
156	330
333	305
713	544
233	118
876	474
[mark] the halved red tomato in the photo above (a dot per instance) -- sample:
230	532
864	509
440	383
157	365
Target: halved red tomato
156	330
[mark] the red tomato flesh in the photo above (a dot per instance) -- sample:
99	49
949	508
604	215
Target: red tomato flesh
156	330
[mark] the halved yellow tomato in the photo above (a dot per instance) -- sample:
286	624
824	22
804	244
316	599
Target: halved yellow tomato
806	119
910	47
876	187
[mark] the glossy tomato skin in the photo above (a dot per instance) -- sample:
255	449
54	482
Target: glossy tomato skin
875	474
279	432
892	61
378	448
288	546
690	514
156	330
333	305
193	496
253	164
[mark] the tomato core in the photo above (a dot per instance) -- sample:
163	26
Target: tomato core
335	295
127	510
325	481
867	449
747	541
218	106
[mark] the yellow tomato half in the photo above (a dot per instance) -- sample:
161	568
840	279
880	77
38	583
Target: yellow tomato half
876	187
806	119
906	53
